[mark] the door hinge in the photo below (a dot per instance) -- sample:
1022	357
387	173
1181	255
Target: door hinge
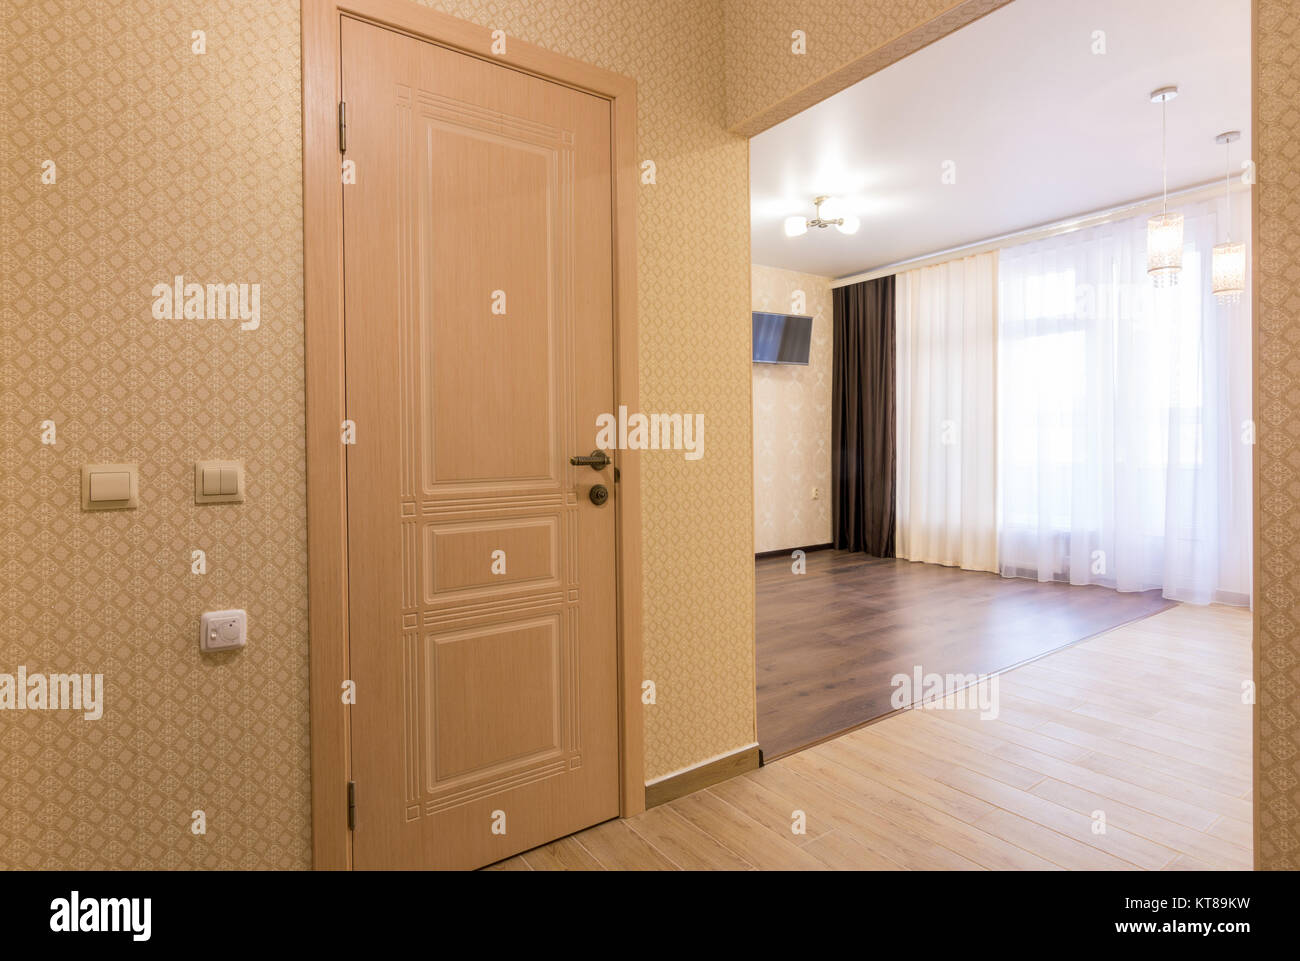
352	805
343	127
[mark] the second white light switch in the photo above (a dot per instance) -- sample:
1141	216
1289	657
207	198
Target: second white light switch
218	482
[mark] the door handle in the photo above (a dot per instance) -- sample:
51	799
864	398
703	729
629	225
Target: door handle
596	460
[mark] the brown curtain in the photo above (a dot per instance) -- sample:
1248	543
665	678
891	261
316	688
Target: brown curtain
862	418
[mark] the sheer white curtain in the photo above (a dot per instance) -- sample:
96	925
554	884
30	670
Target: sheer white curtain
945	353
1124	451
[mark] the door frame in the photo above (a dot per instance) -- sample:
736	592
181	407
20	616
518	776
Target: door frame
327	567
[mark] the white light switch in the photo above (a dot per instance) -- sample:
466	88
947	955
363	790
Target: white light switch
223	631
109	487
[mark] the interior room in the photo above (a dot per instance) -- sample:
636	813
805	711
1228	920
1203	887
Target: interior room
989	420
531	435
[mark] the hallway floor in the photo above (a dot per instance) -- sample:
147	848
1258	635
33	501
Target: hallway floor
1143	725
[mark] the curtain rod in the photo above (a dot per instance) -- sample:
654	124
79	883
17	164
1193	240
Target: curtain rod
1066	225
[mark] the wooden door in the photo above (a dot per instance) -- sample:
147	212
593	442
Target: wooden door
479	352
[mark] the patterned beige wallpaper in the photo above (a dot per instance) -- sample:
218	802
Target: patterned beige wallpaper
165	162
792	420
1277	446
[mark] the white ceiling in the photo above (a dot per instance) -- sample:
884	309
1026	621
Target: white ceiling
1040	128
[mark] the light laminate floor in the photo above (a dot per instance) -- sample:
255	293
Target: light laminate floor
1144	724
829	640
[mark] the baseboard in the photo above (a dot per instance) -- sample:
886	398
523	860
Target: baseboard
786	551
690	780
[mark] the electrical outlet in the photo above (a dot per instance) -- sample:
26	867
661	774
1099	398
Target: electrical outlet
223	631
817	493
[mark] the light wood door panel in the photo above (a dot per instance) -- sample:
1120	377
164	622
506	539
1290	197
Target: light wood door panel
482	578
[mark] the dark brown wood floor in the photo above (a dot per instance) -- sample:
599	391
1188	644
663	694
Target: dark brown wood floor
830	640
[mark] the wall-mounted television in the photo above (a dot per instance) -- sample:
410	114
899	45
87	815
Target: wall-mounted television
781	338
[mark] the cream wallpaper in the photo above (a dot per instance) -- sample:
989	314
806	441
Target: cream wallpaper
165	162
792	420
1277	444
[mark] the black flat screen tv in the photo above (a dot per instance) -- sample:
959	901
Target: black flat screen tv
781	338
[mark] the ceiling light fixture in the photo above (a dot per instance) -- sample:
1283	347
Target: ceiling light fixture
1229	258
834	216
1165	232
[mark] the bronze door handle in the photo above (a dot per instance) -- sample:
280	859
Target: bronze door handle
596	460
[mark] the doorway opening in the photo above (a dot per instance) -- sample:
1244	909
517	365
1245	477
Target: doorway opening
1004	419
